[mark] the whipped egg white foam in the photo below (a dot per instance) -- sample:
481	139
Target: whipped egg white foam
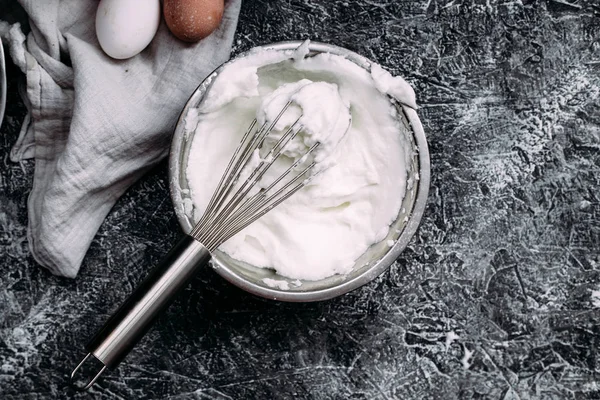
316	107
363	158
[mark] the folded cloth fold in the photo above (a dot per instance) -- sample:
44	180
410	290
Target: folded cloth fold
95	125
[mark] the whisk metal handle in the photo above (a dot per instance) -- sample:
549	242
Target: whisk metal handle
134	318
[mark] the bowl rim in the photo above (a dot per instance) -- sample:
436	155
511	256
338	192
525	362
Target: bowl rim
422	189
3	83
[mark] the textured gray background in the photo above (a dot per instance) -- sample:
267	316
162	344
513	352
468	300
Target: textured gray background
507	256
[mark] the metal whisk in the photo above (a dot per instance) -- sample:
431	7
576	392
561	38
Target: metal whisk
234	205
230	210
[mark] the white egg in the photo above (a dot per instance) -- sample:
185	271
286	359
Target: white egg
126	27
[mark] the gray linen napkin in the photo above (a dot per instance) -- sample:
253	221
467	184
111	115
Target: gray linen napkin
95	125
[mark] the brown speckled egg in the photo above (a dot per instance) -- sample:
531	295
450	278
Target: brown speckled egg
193	20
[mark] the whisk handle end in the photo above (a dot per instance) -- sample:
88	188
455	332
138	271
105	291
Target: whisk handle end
134	318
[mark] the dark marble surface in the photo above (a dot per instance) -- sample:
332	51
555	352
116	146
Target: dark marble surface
507	257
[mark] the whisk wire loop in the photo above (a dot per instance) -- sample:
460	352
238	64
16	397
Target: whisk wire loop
258	172
232	174
233	171
226	176
250	214
232	206
253	203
